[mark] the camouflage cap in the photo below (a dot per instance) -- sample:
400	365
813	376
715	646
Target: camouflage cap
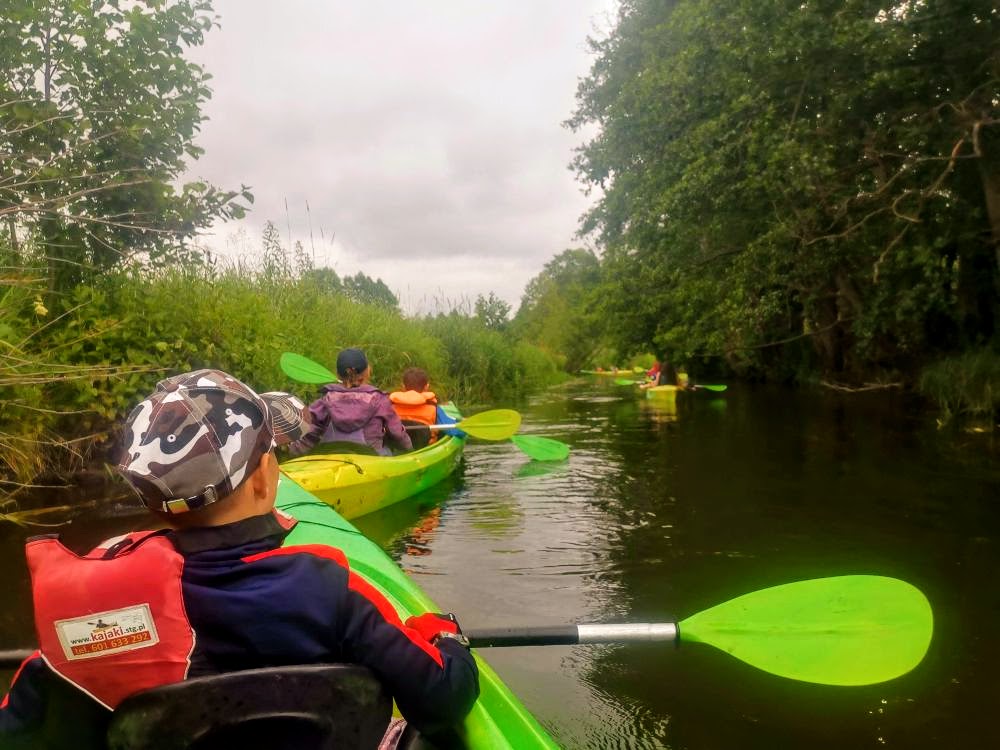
200	434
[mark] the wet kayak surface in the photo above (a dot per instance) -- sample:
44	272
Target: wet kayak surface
663	510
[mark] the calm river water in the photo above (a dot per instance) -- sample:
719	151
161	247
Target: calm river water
659	514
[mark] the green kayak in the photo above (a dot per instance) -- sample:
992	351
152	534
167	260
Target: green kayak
356	485
498	720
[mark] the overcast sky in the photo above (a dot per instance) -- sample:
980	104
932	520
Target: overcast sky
426	137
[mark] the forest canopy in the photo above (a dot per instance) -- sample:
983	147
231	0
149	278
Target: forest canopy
796	187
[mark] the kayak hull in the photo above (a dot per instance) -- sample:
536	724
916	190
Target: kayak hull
499	719
662	392
355	485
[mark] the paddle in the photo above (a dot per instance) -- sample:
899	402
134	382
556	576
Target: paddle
848	630
625	381
496	424
500	424
716	388
305	370
541	448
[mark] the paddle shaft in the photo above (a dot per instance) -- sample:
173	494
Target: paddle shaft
12	659
568	635
550	635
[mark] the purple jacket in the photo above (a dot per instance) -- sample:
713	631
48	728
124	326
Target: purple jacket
362	415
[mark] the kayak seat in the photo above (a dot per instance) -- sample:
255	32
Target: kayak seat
315	707
343	446
420	434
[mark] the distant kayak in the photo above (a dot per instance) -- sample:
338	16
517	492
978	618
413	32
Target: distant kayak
611	373
662	391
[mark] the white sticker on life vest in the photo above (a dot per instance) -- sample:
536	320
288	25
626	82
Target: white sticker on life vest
106	633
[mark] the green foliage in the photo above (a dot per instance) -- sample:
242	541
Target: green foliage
98	115
965	384
73	371
493	312
484	365
782	173
369	291
558	309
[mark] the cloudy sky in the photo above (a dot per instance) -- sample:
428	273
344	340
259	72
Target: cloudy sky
425	137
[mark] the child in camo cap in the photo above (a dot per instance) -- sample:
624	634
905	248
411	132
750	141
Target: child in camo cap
216	591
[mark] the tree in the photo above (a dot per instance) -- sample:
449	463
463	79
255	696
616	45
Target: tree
369	291
816	175
558	306
326	279
493	312
98	114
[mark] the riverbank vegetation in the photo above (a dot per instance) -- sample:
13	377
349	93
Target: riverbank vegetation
104	288
794	191
783	190
74	363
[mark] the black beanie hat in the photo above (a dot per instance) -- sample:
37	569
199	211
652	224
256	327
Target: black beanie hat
351	359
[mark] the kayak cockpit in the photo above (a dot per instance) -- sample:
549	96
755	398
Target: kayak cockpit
313	707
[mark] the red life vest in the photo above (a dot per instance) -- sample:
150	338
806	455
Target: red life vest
112	623
415	406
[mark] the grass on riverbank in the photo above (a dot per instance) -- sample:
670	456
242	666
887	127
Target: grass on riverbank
967	383
75	371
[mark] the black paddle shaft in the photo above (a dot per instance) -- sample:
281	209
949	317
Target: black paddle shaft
553	635
12	659
568	635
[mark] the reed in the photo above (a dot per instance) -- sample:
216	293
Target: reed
967	383
70	374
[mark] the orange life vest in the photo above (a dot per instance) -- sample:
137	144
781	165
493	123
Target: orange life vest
113	622
415	406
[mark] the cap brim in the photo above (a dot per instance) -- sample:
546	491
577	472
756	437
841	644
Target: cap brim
289	417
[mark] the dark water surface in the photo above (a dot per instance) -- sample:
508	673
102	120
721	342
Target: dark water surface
661	513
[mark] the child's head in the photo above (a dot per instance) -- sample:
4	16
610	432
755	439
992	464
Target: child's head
199	436
353	367
415	379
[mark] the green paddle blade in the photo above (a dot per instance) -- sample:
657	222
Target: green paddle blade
305	370
496	424
848	630
716	388
625	381
541	448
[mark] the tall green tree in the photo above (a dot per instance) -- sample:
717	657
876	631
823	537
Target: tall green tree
363	288
493	312
794	183
558	306
98	114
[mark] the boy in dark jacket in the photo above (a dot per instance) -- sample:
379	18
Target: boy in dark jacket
217	591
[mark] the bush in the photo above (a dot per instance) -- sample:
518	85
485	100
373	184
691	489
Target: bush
109	342
967	383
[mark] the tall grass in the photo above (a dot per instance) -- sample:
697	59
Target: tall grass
110	341
967	383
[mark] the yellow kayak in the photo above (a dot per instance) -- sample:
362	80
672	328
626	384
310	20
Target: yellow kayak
356	484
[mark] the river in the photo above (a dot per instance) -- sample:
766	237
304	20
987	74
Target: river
660	513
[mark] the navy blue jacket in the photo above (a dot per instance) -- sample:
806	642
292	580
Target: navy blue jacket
253	603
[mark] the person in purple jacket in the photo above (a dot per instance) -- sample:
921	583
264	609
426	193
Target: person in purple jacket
354	411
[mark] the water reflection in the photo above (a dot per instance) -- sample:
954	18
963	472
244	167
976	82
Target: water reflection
657	515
